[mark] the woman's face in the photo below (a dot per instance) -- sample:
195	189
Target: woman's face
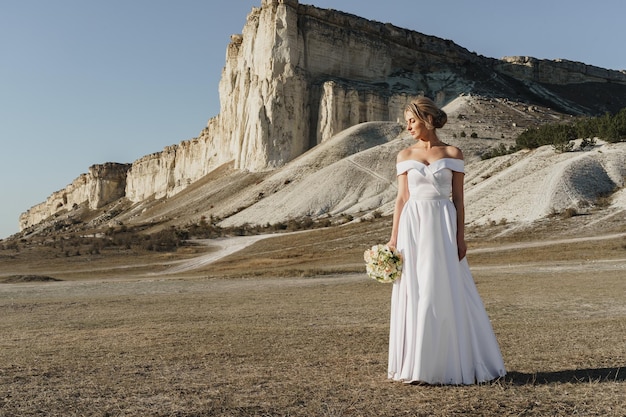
414	125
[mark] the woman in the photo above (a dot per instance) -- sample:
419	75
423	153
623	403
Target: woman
440	332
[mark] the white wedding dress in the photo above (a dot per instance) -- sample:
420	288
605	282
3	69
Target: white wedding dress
440	332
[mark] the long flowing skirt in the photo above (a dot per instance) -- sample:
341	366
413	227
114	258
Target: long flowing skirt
439	332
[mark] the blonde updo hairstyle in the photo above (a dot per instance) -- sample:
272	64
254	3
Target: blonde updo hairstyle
427	111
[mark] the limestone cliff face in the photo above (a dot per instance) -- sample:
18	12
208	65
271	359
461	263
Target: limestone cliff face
152	175
264	90
297	75
166	173
557	72
102	185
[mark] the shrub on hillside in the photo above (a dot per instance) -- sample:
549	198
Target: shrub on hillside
611	128
165	240
499	150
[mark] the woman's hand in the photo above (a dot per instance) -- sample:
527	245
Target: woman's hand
391	243
462	248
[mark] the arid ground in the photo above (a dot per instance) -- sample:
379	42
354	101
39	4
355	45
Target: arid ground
291	326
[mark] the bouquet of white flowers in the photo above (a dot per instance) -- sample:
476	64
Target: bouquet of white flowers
382	263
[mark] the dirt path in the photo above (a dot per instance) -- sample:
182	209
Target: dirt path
227	246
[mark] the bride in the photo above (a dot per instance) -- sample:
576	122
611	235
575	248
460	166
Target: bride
439	331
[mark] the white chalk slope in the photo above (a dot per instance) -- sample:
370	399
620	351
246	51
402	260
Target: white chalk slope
354	173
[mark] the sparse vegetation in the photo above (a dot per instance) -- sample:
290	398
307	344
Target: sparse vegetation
587	143
499	150
569	212
171	239
561	136
211	229
611	128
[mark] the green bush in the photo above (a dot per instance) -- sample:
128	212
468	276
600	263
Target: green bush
499	150
166	240
611	128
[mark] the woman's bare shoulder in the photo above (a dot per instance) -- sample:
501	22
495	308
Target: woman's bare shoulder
404	154
454	152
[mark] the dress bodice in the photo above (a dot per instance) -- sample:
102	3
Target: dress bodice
430	182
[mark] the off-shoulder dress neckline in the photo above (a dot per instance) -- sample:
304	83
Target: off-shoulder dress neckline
430	163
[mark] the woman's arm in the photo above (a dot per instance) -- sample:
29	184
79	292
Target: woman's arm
402	197
459	204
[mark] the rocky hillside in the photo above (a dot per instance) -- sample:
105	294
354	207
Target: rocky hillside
303	95
352	174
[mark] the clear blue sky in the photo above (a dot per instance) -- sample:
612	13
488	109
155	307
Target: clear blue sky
84	82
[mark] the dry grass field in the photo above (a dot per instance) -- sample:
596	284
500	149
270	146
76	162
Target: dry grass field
291	326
